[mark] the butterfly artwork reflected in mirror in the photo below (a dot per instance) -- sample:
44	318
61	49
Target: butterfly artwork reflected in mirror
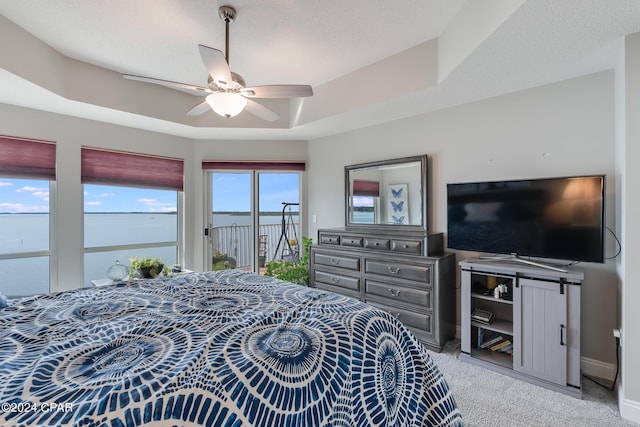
397	204
396	194
398	219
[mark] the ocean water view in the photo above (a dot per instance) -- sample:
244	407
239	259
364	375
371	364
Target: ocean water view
22	233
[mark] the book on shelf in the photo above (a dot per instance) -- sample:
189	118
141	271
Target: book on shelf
500	345
481	334
507	349
491	340
483	316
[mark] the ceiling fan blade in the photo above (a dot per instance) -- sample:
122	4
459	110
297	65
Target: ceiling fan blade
192	89
216	65
277	91
261	111
199	109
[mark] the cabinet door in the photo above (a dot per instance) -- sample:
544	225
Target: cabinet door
540	330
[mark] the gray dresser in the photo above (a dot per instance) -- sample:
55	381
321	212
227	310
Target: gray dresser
403	273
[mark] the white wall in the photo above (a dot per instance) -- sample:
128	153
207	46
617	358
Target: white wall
627	140
559	129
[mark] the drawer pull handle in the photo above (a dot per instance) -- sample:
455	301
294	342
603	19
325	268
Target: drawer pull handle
335	280
397	315
394	293
393	270
335	261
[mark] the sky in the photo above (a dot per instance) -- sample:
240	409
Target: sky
232	192
21	195
28	196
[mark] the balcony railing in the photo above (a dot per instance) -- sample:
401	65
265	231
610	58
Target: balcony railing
235	241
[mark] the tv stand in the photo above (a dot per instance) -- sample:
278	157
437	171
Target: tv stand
533	327
516	258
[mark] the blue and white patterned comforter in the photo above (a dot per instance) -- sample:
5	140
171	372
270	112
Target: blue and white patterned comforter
224	348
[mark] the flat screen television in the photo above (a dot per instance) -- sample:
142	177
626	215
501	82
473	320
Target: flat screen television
555	218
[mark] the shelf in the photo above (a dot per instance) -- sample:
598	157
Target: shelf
490	298
497	325
501	359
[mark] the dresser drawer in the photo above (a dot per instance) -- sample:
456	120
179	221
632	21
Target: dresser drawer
409	318
330	239
418	297
404	271
407	246
337	290
378	244
353	241
339	261
352	283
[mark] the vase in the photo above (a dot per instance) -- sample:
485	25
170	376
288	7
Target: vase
146	272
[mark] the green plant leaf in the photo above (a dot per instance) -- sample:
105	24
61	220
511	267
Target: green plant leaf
294	272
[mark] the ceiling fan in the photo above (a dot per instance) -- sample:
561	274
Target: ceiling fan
226	92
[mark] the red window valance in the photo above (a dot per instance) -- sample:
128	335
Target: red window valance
363	187
254	165
27	158
131	169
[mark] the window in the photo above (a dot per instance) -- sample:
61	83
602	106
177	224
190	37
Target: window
253	213
365	201
27	185
139	216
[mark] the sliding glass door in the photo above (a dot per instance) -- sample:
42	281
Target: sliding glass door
279	216
254	218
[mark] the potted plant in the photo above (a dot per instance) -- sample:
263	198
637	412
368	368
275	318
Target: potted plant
223	261
147	267
290	271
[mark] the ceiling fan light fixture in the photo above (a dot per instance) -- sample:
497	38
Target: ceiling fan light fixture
226	104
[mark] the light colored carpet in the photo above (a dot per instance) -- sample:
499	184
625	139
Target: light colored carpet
486	398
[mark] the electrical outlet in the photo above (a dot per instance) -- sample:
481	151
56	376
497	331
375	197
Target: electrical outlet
314	218
618	334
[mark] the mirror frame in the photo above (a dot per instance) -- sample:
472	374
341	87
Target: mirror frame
422	159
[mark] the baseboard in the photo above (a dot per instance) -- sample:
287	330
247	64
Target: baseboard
629	409
597	368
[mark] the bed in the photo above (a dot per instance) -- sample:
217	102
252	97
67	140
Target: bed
226	348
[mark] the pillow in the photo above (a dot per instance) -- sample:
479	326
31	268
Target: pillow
4	302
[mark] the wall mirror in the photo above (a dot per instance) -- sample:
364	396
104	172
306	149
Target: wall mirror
389	193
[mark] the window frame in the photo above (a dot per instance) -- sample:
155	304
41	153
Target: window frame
178	243
213	167
100	166
34	159
51	252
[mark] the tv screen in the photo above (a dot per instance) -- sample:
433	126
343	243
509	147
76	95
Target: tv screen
558	218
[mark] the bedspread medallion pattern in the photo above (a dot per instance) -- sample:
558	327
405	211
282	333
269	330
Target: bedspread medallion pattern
227	348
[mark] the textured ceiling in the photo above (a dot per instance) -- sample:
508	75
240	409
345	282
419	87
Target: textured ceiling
329	44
